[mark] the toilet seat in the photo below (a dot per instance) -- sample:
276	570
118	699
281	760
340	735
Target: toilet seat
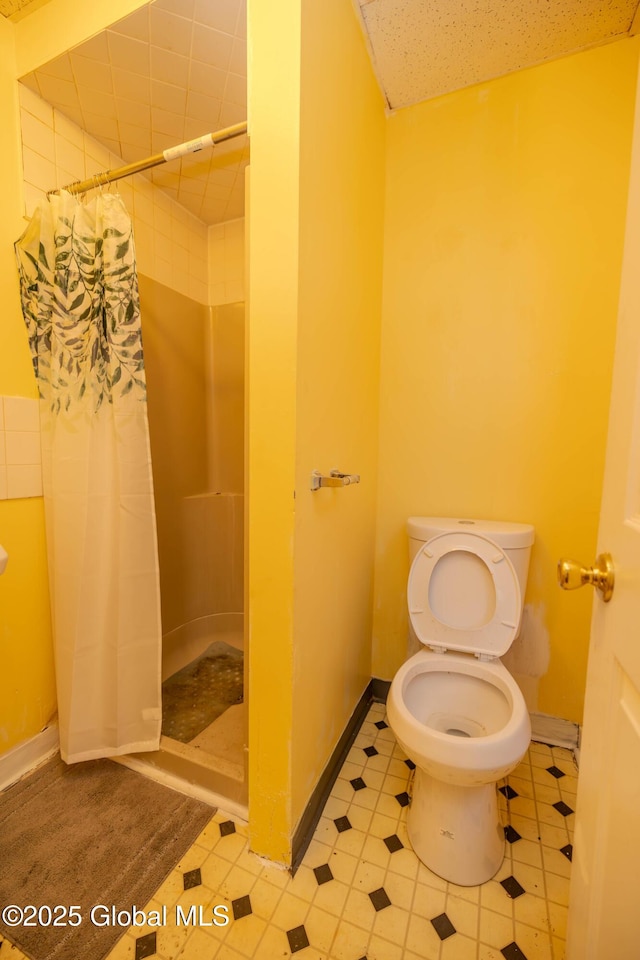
487	640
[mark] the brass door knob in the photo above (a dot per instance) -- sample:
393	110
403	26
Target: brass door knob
572	575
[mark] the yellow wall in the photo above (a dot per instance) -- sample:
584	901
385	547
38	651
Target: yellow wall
340	276
16	372
315	246
272	218
505	210
27	699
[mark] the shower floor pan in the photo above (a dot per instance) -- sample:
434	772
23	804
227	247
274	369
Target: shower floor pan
215	761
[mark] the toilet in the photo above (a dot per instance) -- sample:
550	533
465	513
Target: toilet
454	708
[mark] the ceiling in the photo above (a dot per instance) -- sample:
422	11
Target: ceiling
14	9
172	71
424	48
176	69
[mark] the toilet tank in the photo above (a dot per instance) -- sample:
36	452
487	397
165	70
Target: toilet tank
515	539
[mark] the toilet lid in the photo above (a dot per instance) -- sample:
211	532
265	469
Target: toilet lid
464	594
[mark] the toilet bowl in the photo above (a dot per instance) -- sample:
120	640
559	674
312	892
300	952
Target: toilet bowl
454	708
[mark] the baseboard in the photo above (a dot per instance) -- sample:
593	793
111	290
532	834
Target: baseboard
309	820
555	731
380	689
24	758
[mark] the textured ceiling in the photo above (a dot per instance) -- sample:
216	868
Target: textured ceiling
424	48
16	9
172	71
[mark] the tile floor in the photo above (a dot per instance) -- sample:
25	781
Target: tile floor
361	893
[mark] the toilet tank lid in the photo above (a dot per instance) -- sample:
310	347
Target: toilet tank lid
507	535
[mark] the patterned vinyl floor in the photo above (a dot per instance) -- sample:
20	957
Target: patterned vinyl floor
361	893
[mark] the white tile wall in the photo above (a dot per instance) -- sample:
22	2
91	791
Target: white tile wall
171	244
171	71
20	463
226	262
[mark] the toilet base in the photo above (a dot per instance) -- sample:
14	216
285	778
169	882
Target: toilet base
456	831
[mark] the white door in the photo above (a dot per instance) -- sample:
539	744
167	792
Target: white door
604	910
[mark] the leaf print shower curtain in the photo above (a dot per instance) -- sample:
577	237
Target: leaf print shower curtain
79	294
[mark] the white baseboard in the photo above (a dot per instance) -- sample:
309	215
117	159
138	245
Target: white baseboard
18	761
555	731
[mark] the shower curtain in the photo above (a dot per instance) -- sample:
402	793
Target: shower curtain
79	293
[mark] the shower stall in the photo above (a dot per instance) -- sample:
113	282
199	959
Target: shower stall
194	359
192	332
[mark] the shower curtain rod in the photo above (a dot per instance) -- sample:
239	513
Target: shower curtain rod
171	153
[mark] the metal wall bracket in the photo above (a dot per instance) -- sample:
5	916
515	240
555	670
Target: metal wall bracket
335	479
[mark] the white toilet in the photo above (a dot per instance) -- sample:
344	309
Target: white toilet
454	708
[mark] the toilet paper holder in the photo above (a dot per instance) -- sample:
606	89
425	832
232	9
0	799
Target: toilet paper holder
335	479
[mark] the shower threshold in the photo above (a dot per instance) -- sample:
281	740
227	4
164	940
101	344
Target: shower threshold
212	767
